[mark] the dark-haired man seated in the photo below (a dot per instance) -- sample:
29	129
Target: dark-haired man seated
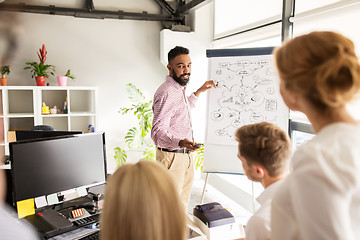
264	151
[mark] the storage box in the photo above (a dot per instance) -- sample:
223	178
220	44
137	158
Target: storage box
11	136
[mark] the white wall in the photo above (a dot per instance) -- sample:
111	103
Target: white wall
103	53
202	25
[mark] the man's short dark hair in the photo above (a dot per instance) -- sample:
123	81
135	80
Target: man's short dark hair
176	51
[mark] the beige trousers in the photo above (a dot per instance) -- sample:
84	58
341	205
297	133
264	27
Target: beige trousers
181	168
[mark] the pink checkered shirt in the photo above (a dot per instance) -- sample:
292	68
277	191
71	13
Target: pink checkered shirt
172	120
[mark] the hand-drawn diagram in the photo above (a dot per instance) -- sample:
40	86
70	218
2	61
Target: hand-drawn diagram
247	92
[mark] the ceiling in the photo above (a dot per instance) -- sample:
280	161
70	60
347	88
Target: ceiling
168	12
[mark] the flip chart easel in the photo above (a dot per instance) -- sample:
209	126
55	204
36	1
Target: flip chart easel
247	92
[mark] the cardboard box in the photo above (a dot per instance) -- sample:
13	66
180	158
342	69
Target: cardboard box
11	136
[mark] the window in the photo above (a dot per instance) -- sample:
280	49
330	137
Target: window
269	42
266	36
308	5
337	17
232	16
340	16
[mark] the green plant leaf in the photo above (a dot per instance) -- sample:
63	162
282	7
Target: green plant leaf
199	158
120	156
40	69
134	138
69	75
5	70
135	95
150	153
124	110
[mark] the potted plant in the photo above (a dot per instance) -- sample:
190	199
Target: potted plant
5	70
62	80
40	70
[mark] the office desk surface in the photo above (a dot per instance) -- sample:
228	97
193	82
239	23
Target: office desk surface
75	234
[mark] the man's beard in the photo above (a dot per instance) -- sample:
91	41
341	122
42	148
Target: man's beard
179	80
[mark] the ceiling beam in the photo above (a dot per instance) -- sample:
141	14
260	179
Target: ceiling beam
85	13
165	6
89	4
190	6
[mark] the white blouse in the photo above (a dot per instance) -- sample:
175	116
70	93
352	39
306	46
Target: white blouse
321	197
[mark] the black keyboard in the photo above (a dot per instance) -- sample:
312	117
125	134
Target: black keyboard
92	236
85	221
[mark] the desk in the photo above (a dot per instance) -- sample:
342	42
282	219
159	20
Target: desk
55	222
74	232
195	233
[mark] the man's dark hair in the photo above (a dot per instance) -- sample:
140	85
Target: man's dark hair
176	51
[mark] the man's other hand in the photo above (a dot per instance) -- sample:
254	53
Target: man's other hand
186	143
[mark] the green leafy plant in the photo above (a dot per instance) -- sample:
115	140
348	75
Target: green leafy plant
40	69
199	158
137	137
5	70
69	75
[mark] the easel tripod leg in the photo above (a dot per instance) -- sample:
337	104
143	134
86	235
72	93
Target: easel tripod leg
202	195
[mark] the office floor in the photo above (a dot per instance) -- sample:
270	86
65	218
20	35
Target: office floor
214	195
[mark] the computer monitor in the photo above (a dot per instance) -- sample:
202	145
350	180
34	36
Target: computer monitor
42	167
28	135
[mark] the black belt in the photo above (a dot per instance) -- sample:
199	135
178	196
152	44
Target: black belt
182	150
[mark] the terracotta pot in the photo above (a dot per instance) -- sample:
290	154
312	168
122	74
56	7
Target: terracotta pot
3	81
62	80
40	81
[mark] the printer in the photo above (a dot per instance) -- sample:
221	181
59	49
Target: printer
213	214
216	222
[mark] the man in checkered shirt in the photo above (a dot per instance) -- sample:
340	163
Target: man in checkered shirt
172	131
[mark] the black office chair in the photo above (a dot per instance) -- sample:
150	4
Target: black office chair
42	128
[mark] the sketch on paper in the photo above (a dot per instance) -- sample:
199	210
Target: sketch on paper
247	92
